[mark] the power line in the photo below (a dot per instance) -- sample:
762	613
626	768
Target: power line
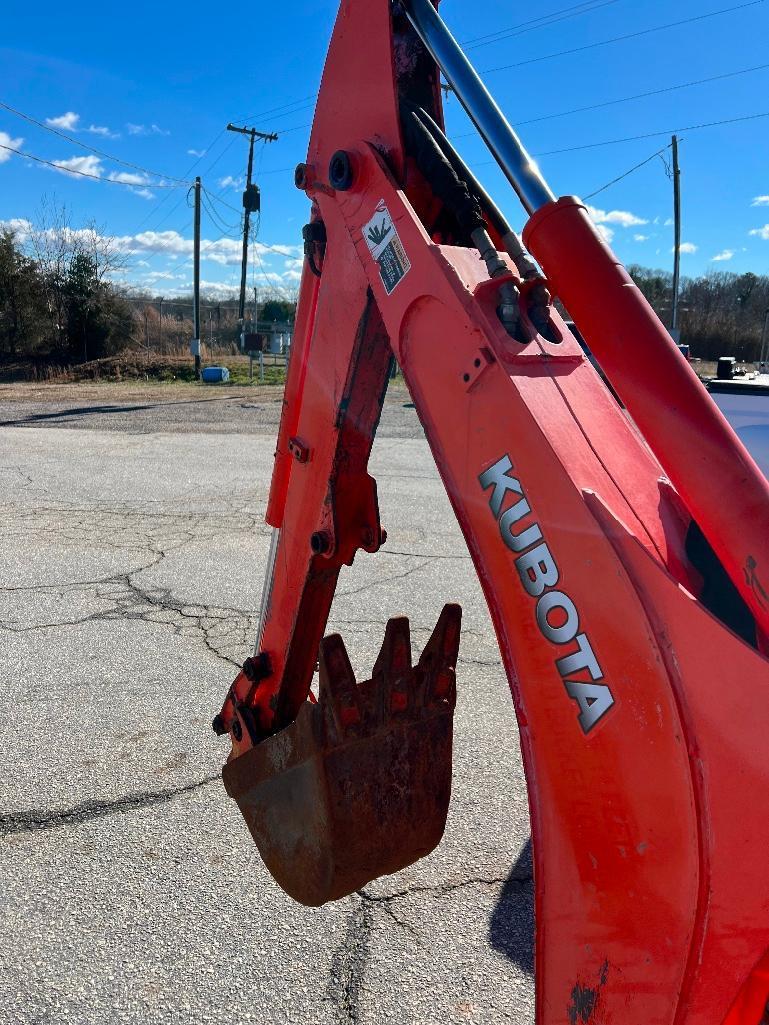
295	128
192	166
599	106
292	106
550	56
546	21
156	210
85	174
272	284
215	217
278	170
278	249
626	173
635	138
83	145
585	108
218	198
651	135
627	99
275	111
607	142
619	39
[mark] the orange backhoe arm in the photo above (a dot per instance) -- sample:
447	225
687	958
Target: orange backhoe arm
599	535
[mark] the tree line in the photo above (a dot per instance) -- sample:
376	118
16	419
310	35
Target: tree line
61	303
720	313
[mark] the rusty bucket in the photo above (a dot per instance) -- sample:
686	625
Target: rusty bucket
358	786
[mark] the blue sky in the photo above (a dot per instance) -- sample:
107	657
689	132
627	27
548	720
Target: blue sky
154	85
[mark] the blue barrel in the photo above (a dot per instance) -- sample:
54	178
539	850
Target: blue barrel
215	375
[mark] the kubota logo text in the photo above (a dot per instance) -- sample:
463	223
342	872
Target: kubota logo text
539	575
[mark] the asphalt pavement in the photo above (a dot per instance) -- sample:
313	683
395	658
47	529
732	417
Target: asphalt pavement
131	564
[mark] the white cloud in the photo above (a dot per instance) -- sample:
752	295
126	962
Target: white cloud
641	238
167	256
218	289
725	254
668	222
20	226
6	140
607	234
228	182
66	122
128	178
686	247
105	133
144	193
760	201
163	275
282	250
224	251
83	165
196	152
621	217
145	129
761	232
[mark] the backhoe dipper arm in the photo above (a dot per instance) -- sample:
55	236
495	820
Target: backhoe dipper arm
642	717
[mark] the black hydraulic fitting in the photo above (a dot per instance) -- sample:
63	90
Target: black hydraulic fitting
340	173
314	235
320	542
300	176
257	667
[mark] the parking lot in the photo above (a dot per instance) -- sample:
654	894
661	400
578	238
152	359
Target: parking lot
133	549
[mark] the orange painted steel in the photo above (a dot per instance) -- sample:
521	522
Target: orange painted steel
710	467
642	717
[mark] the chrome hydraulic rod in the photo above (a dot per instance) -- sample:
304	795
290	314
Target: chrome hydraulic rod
269	578
507	149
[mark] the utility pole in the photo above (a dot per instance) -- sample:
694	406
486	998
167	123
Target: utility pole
676	236
763	358
195	347
251	204
256	329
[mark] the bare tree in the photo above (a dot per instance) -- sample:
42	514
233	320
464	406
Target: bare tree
58	249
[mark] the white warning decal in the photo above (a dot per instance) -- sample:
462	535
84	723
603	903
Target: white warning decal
386	247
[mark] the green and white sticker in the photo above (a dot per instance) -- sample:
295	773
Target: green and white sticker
386	247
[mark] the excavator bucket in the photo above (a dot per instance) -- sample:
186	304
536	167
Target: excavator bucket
358	785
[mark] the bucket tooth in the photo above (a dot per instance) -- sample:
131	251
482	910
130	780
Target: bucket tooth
358	786
438	661
338	691
392	675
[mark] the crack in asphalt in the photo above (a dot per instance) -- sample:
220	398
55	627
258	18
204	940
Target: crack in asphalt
349	961
225	632
38	819
348	965
424	555
384	580
441	889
